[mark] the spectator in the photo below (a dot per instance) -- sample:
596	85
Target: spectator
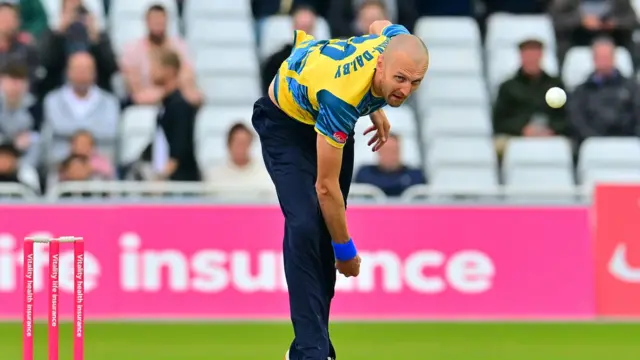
390	175
448	8
75	168
578	22
137	57
83	144
79	105
520	108
16	120
241	170
171	155
12	48
353	17
33	18
9	164
304	18
78	31
607	104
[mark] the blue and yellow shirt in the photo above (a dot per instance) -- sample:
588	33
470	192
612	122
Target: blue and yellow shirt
327	83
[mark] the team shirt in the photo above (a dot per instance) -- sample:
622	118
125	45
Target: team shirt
328	83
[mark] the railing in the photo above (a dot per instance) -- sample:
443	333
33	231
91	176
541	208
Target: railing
122	190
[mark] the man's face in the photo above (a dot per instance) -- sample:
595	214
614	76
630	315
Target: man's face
400	77
82	145
9	22
78	170
389	154
367	15
531	58
604	57
81	71
13	88
304	20
157	26
240	146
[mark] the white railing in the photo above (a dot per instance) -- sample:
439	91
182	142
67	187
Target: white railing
14	190
137	189
428	191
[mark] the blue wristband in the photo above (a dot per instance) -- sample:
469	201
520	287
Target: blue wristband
346	251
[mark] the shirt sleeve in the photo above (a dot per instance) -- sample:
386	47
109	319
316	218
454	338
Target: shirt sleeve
336	118
393	30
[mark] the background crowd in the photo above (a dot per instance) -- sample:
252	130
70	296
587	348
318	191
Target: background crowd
162	90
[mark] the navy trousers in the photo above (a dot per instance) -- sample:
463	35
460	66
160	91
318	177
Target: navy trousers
289	151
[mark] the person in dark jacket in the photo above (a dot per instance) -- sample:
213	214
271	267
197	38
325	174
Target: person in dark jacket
78	32
607	104
304	18
520	108
14	48
171	156
390	174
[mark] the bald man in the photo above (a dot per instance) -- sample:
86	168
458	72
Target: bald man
306	131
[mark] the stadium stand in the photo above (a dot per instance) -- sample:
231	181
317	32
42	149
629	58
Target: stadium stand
446	130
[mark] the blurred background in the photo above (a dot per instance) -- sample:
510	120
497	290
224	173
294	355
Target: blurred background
129	122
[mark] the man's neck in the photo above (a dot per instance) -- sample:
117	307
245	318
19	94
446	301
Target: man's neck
375	85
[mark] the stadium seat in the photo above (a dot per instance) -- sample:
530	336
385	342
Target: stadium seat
507	31
462	180
456	121
409	149
277	31
540	184
28	175
594	177
229	32
578	65
603	153
470	152
402	120
219	119
523	152
452	90
54	11
441	31
455	61
502	64
226	61
208	9
220	89
137	127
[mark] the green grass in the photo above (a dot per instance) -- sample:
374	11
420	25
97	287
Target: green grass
354	341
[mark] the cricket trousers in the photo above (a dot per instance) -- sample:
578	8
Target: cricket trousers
289	152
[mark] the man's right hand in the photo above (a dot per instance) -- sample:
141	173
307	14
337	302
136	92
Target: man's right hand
591	22
350	267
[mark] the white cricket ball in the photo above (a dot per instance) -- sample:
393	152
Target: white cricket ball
556	97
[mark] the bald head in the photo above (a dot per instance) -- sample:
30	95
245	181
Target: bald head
81	70
401	68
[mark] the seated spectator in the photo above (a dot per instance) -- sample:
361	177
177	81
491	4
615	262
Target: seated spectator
171	156
304	18
607	104
79	105
33	18
83	144
390	174
579	22
78	31
13	49
75	168
520	108
137	57
353	17
241	170
9	163
16	120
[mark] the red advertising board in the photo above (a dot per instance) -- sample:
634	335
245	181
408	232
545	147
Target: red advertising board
617	249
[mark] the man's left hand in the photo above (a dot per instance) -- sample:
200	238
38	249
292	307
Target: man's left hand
382	128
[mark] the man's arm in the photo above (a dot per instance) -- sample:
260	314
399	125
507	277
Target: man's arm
336	120
386	28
